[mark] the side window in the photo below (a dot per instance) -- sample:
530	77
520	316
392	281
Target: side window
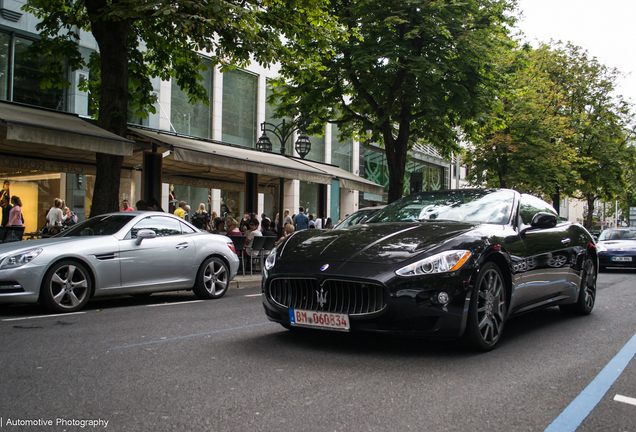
186	229
162	226
530	205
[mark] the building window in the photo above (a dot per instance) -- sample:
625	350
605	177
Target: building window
193	119
340	150
26	75
317	152
269	118
239	108
308	197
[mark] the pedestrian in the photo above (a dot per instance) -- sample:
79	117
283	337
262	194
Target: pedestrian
55	216
311	222
141	205
180	211
186	210
153	205
301	221
232	227
245	222
266	231
5	202
71	218
220	227
15	214
289	229
254	232
329	224
125	206
287	218
201	219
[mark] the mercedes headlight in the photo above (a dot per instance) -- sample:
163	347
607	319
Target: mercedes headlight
271	259
14	261
442	262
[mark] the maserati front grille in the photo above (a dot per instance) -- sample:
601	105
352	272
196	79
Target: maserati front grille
338	296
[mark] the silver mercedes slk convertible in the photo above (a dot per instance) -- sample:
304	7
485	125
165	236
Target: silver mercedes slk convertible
116	253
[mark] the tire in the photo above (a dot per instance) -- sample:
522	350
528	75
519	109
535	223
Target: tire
66	287
213	279
587	292
488	309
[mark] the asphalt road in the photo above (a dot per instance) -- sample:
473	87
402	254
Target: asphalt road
171	363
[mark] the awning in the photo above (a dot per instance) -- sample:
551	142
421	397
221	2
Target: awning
225	157
346	179
55	134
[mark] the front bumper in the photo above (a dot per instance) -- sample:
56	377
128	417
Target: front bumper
20	285
409	308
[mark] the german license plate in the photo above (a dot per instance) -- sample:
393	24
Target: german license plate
621	259
329	320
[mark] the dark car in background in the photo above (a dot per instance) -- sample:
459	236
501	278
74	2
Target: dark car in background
442	264
617	248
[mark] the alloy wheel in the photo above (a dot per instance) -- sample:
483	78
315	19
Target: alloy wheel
69	286
491	306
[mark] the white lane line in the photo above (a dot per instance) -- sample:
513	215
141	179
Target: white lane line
627	400
177	303
254	295
43	316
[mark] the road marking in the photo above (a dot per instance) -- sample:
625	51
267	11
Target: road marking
572	416
188	336
254	295
176	303
627	400
42	316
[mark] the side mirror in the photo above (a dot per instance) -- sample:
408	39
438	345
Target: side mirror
144	234
544	220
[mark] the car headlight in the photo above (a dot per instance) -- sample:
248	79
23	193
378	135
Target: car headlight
440	263
13	261
600	248
271	259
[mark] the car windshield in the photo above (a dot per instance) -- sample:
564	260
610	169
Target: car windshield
98	226
618	234
354	218
485	206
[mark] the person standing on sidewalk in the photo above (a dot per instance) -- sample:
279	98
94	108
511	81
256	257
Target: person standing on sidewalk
301	221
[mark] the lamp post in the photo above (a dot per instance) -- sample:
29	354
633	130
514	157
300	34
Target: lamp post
283	131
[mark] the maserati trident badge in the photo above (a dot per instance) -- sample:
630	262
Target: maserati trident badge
322	297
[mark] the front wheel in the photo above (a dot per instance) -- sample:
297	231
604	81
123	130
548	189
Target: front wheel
488	309
213	279
587	294
66	287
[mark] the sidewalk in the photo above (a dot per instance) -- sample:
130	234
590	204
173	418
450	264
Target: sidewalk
247	281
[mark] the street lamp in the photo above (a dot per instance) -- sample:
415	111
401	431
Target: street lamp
283	131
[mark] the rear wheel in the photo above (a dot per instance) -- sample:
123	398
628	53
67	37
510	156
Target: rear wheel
213	279
488	309
66	287
587	294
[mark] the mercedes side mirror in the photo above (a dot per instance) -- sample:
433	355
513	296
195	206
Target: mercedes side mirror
144	234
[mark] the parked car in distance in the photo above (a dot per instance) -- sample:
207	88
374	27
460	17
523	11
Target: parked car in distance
617	248
113	254
441	264
358	217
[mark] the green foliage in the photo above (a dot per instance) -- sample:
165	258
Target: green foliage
410	70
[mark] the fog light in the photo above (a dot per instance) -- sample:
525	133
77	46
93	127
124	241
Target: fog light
443	298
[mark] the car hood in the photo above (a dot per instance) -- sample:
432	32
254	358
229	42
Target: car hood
389	242
614	245
32	244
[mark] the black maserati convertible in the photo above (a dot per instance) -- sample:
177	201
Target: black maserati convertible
442	264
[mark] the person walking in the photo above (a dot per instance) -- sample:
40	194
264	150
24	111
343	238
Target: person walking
5	202
15	214
287	218
125	206
301	221
180	211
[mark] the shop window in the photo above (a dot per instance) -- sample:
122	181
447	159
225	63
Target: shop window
239	108
269	118
5	51
309	197
193	119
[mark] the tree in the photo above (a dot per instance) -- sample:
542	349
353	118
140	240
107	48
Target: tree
410	70
142	39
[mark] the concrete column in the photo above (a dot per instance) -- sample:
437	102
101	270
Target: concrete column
164	100
215	204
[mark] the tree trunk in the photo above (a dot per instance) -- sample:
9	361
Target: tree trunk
396	162
556	200
112	38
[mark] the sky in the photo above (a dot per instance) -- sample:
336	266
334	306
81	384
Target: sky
605	28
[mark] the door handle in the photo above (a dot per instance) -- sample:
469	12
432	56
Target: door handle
182	246
566	241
